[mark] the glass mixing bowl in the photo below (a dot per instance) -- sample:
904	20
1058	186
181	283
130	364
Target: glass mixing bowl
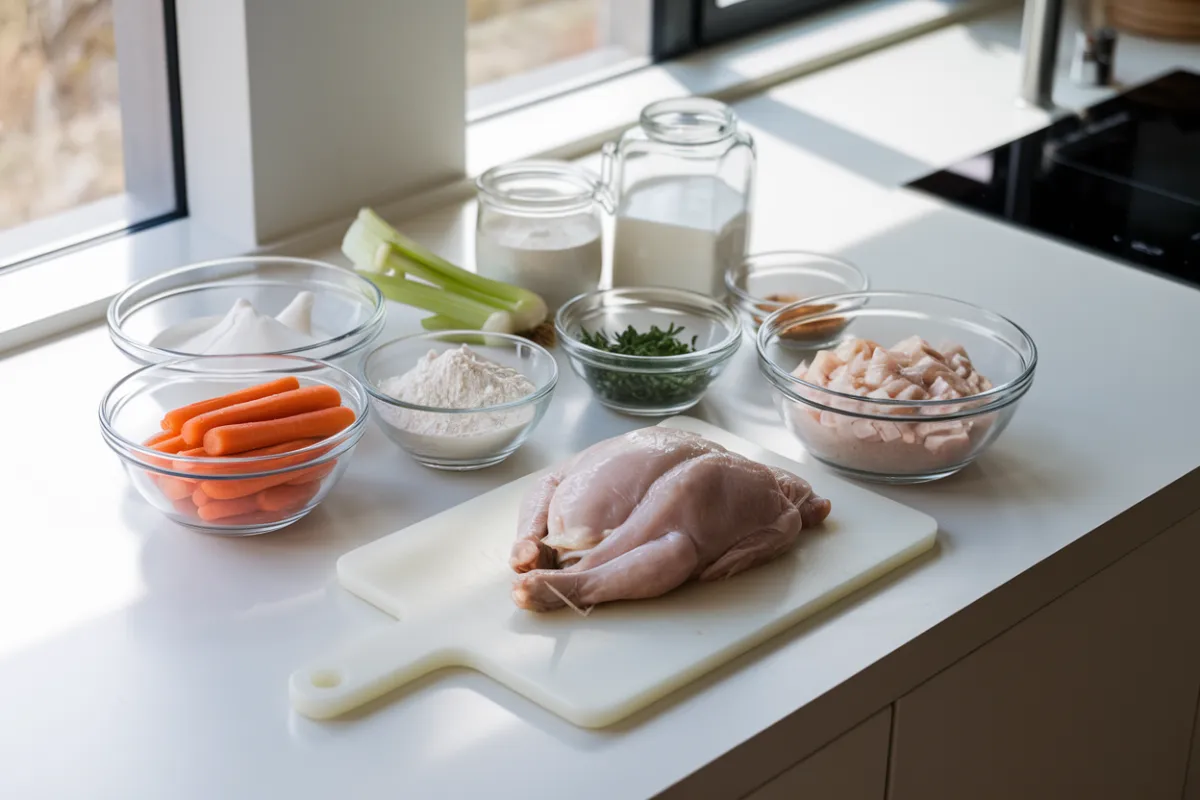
150	319
644	385
459	438
230	495
879	438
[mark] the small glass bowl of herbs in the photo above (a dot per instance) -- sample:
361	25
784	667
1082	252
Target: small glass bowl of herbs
648	351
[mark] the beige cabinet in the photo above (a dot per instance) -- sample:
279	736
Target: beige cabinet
1094	696
851	767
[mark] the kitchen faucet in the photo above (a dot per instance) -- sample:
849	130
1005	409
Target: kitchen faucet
1091	63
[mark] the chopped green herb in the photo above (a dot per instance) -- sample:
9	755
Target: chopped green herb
639	389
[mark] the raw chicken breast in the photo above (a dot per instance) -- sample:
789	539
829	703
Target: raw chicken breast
637	515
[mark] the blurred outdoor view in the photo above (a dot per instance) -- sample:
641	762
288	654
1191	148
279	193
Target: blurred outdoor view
508	37
60	124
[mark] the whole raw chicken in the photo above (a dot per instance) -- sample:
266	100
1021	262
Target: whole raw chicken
637	515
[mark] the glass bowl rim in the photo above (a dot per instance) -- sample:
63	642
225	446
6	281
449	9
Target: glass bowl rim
743	297
541	391
1019	384
116	329
595	356
146	457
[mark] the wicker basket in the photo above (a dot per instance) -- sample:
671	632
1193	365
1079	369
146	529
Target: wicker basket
1168	19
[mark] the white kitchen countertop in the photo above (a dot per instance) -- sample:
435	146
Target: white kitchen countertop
139	660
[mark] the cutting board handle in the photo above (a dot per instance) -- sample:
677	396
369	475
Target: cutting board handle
366	669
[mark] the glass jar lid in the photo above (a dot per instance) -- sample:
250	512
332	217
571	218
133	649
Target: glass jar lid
688	120
542	186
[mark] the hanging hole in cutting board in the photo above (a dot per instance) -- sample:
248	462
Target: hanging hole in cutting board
326	679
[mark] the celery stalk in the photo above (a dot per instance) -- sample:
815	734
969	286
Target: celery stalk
377	248
440	322
471	313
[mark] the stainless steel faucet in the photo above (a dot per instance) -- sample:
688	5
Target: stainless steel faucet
1091	63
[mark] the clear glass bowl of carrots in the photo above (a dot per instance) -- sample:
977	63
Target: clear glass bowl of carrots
236	445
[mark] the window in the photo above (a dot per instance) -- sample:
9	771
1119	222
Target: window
520	51
87	132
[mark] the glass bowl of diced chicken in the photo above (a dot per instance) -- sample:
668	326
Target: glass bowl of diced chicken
916	387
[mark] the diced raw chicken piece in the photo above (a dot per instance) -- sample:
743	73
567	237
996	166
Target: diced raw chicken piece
801	370
942	390
850	348
823	364
881	368
947	443
662	507
865	430
951	349
911	350
895	386
912	392
925	429
830	419
888	431
879	394
908	432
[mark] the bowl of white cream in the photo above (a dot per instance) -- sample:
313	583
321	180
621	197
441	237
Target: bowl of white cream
257	305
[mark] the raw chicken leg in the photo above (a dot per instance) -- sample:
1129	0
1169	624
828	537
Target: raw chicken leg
638	515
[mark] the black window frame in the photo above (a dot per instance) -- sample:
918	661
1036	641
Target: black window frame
683	26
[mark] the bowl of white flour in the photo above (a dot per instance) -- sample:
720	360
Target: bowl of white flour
459	400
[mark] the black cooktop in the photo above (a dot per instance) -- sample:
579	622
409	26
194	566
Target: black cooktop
1122	178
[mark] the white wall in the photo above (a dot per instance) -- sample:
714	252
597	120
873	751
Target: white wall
340	104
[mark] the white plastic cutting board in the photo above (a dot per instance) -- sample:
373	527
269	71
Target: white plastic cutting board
447	579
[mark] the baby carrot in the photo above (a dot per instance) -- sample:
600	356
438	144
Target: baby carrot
173	421
174	444
230	490
199	497
175	488
232	439
277	406
239	468
158	437
219	509
286	498
313	474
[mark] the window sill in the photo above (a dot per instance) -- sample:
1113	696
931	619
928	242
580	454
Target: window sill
73	289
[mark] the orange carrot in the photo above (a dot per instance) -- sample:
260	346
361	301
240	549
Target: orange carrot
277	406
173	421
175	444
175	488
184	507
158	437
199	497
233	439
311	475
286	498
239	468
231	490
219	509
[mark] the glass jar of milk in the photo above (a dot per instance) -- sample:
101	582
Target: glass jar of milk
540	227
682	180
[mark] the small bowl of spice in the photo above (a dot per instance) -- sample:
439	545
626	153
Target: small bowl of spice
766	282
459	400
648	351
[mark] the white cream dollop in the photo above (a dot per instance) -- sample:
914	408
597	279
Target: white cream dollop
244	330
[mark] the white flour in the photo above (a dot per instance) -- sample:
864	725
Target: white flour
457	379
